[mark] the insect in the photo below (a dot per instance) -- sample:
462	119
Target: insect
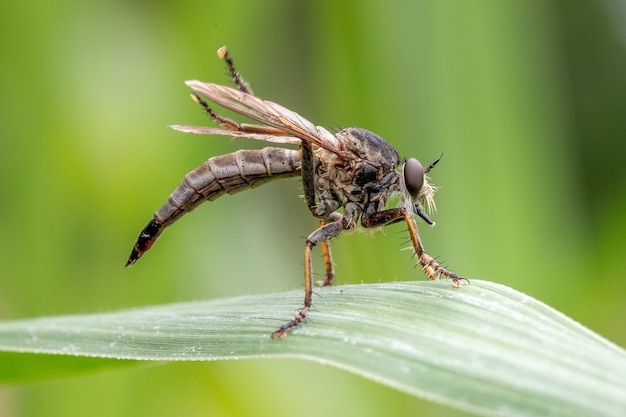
352	169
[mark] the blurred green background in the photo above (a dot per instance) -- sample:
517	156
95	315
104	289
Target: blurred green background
525	99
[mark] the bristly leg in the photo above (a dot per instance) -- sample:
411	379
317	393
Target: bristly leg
328	261
430	266
220	120
321	235
237	78
230	124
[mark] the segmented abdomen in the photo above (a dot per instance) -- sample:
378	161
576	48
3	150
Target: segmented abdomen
217	176
230	174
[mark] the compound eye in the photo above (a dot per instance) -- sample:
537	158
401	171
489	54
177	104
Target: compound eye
413	176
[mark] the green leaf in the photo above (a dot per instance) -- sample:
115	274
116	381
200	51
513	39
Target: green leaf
484	348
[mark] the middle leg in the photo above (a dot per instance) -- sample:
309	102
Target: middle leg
328	261
308	184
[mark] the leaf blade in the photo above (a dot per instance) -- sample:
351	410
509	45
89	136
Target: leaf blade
485	348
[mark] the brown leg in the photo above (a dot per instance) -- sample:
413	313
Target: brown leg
321	235
429	265
328	260
233	125
308	184
223	54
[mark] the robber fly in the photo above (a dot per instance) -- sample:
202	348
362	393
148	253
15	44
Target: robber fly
353	169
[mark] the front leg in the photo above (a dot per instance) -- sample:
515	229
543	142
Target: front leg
321	235
430	266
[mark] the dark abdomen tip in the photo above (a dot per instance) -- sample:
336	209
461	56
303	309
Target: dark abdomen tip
146	238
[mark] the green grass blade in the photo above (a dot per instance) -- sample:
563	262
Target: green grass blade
484	348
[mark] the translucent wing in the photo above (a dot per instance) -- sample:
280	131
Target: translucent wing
203	130
269	113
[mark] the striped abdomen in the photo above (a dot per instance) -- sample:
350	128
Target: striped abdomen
219	175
